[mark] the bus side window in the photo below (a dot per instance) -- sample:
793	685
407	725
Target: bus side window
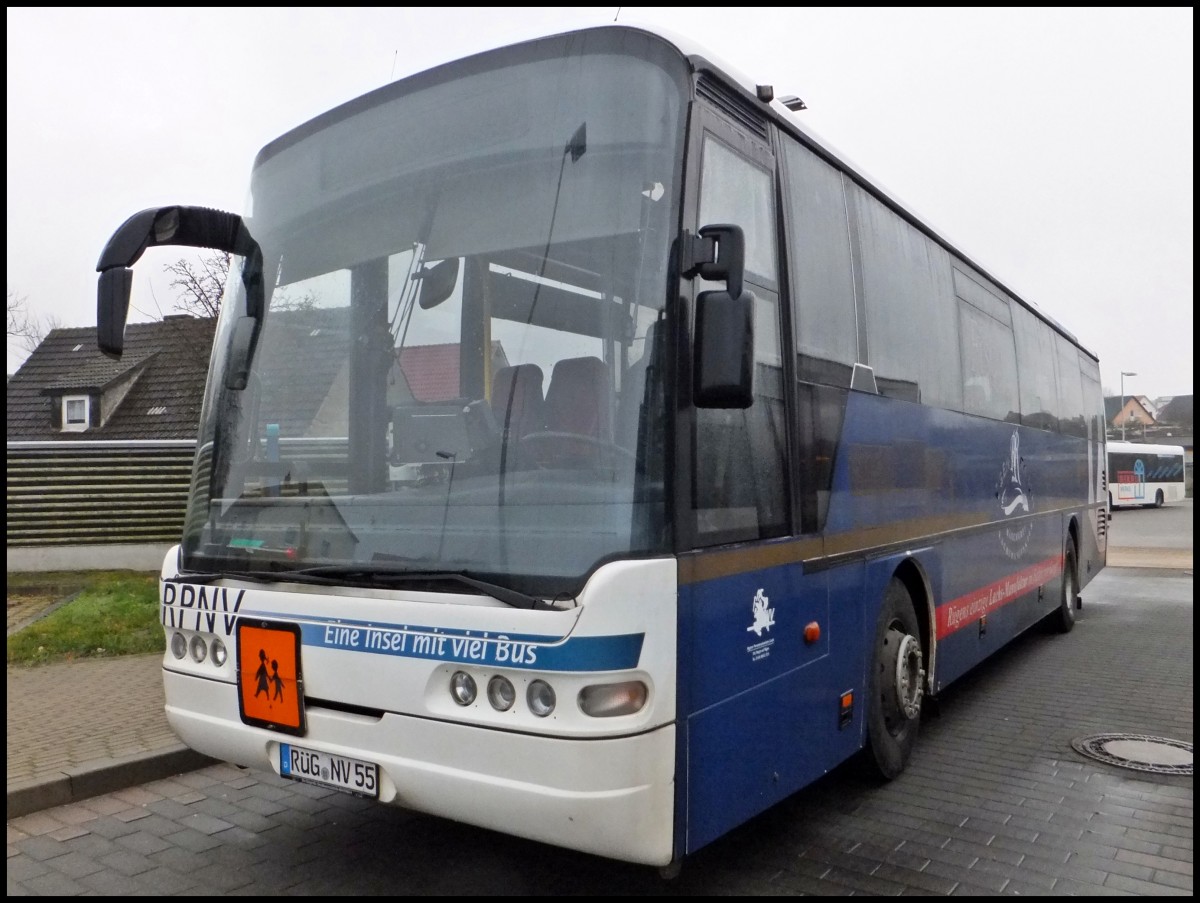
740	485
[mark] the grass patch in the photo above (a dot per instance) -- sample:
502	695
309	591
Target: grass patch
115	613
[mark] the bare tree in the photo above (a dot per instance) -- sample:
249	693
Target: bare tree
25	329
199	285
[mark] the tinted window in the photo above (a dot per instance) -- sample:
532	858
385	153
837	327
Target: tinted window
822	278
1035	362
740	487
912	334
988	354
736	192
1072	418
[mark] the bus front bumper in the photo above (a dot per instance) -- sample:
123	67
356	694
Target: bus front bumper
612	797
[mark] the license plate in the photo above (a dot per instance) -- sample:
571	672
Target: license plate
327	770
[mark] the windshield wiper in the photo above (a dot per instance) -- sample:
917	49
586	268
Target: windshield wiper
374	576
207	577
337	574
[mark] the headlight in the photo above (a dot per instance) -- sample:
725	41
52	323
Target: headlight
610	700
199	649
462	687
501	693
540	697
178	645
219	652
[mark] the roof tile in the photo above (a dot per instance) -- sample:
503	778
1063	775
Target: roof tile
173	358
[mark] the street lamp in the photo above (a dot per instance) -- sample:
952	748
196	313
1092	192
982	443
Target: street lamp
1124	373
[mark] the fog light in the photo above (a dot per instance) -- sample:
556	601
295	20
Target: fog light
462	687
501	693
178	645
610	700
199	649
219	652
540	697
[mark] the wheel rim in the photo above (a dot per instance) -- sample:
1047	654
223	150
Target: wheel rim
905	668
1069	590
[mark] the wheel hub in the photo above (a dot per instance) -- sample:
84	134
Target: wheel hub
909	674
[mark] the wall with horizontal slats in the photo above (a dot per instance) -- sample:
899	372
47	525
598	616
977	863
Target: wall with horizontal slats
88	492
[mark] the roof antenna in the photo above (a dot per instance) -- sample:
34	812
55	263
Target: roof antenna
618	14
394	57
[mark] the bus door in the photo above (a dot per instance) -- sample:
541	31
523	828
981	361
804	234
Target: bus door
758	706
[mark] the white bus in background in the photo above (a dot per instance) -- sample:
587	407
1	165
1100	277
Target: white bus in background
1141	475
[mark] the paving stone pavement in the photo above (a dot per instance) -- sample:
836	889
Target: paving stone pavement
84	727
103	798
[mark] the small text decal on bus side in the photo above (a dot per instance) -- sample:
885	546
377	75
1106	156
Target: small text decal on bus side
764	619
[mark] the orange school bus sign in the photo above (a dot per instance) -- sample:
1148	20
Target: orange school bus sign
270	682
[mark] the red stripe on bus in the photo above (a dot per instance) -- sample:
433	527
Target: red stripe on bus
966	610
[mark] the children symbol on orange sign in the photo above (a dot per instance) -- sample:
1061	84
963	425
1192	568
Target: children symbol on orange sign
260	676
276	680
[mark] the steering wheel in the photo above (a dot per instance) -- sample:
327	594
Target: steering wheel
553	447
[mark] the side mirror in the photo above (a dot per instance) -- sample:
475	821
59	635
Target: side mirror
112	309
723	374
724	360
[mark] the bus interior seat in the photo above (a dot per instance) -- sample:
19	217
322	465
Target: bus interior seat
517	400
579	399
579	415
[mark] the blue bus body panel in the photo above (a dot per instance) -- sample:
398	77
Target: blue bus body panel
763	717
973	510
994	499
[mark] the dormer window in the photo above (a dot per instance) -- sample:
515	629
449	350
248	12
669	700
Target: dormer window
76	413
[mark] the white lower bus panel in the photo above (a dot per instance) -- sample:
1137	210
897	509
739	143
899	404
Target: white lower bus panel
612	797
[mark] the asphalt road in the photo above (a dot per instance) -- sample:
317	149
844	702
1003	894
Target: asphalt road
1169	527
996	802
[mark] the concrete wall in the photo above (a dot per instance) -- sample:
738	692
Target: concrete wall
100	557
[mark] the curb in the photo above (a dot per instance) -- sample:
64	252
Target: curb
107	776
1135	557
49	609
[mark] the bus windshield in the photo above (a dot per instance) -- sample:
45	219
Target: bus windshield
459	368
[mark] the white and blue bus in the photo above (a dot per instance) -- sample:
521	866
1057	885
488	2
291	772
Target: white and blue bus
1143	475
591	453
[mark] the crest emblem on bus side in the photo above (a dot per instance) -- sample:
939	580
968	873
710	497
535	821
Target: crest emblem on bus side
764	618
1014	501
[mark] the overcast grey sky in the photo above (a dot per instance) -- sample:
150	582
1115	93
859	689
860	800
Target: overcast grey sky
1053	145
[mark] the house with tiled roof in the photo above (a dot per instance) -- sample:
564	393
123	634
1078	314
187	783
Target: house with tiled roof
100	450
67	390
1127	410
1177	412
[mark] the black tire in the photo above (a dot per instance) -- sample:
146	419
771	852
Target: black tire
1159	500
1063	619
897	685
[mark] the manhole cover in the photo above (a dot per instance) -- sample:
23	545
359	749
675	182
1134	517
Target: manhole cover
1159	755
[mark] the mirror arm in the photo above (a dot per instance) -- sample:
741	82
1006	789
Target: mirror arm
717	253
197	227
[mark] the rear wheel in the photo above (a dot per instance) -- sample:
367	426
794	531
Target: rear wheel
897	684
1064	619
1159	500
